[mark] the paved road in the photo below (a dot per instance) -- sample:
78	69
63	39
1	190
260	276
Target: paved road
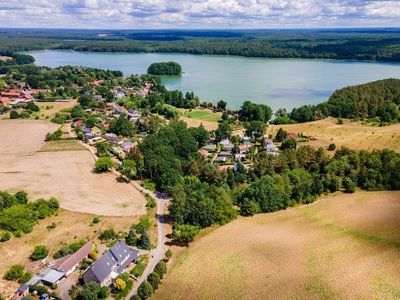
157	254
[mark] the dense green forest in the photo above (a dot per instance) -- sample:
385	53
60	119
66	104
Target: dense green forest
204	195
378	100
360	44
165	68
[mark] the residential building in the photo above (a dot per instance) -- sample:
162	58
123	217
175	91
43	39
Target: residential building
111	264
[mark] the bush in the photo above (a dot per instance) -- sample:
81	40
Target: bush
349	185
96	220
340	121
145	290
39	252
154	279
25	277
104	164
161	269
168	254
184	233
332	147
151	203
15	272
108	234
14	114
55	136
289	143
5	236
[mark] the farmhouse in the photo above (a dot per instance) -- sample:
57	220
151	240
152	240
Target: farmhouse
61	268
111	264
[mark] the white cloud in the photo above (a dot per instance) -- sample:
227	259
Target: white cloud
198	13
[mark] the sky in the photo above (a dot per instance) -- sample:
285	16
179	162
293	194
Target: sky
204	14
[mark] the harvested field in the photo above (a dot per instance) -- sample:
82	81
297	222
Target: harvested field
341	247
61	170
354	135
70	227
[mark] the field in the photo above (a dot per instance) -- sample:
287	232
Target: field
351	134
195	117
343	246
49	109
62	170
70	227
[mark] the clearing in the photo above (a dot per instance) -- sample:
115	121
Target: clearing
49	109
70	227
354	135
195	117
60	169
343	246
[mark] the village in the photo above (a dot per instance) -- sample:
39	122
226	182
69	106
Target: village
94	125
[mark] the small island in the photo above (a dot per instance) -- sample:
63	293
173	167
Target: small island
165	68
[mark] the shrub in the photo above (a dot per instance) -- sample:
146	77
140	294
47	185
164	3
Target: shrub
145	290
108	234
51	226
14	114
55	136
154	279
161	269
138	269
168	254
119	284
25	277
332	147
39	252
104	164
289	143
5	236
151	203
15	272
96	220
349	185
184	233
340	121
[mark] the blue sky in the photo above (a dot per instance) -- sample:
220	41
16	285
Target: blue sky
199	13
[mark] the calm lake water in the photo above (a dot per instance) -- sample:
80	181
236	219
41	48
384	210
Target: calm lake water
277	82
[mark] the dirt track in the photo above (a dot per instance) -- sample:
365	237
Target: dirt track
67	175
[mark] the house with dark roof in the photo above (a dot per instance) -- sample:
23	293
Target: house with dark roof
113	262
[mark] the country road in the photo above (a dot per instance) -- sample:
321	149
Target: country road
157	254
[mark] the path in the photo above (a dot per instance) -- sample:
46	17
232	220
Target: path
157	254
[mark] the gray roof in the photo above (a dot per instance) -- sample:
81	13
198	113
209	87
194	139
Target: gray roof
116	259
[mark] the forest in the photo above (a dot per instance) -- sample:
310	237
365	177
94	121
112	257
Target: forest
360	44
377	101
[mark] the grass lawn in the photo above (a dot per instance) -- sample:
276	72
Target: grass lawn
205	115
343	246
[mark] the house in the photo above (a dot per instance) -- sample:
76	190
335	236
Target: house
69	263
119	94
293	135
225	153
203	152
5	101
220	159
210	147
228	147
243	149
111	137
270	148
111	264
61	268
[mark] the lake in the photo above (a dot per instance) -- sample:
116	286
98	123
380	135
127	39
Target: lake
276	82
